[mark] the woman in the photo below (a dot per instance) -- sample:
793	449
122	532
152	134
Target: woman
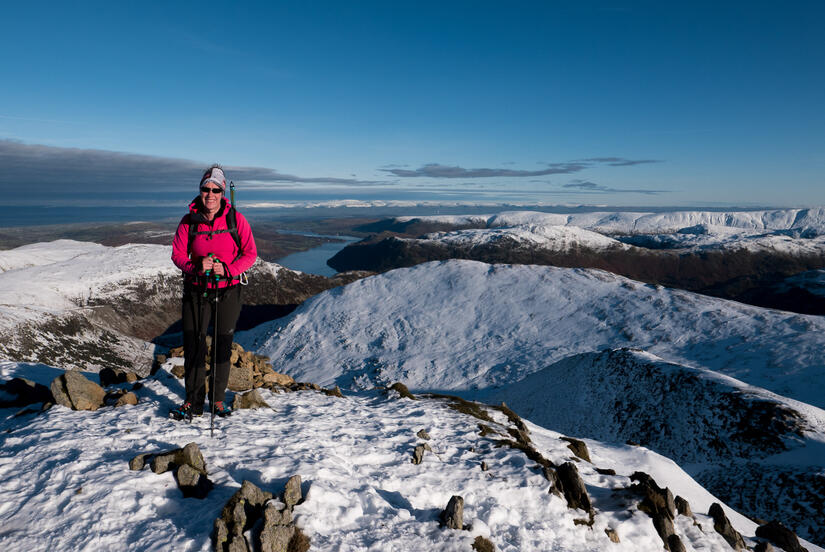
213	257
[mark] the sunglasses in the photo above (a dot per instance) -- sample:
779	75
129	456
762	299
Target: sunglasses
207	189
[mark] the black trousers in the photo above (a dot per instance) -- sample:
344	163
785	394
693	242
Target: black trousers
197	312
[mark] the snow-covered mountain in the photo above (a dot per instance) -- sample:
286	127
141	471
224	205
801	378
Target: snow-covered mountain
731	393
85	305
463	325
810	222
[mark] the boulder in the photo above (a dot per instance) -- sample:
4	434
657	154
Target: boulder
240	378
722	525
402	390
781	536
250	399
189	455
573	487
127	398
192	483
422	434
74	391
763	547
292	491
453	515
612	535
418	453
28	392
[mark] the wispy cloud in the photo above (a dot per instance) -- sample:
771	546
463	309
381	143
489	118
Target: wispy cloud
437	170
33	168
619	161
592	187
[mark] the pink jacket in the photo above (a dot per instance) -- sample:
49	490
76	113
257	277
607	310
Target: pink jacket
221	244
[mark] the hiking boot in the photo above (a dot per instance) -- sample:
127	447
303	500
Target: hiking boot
185	412
222	409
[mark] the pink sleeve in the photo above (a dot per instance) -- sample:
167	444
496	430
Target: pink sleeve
248	252
180	248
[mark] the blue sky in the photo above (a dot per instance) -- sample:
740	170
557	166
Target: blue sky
614	103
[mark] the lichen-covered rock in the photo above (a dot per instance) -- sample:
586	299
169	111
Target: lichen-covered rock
722	525
292	491
239	514
138	462
241	378
276	538
74	391
250	399
480	544
277	378
127	398
453	515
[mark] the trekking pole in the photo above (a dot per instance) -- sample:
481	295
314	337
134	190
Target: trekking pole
205	287
214	363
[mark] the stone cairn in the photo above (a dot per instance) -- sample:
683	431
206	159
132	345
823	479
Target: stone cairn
247	370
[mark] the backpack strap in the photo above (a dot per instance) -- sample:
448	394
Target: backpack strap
232	228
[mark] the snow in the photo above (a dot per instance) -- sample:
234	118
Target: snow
465	325
66	483
60	276
557	238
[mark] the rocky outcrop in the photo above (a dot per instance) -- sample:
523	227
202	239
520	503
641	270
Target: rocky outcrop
250	506
781	536
660	505
573	487
481	544
722	525
74	391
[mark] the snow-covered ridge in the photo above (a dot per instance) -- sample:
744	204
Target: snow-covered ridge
810	221
466	325
557	238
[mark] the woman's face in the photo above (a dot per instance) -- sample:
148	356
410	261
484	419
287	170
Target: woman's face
211	196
